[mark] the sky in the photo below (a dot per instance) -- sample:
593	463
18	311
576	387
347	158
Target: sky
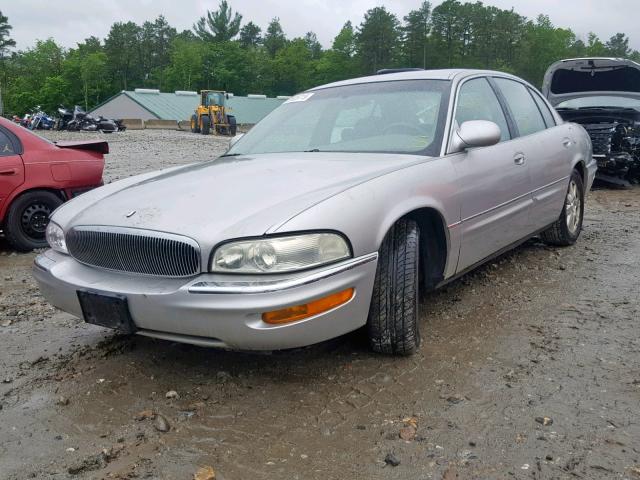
71	21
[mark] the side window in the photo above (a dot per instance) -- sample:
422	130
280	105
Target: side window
546	113
6	147
524	110
477	101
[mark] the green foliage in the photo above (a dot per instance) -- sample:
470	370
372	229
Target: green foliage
5	40
415	44
274	39
378	40
222	53
250	35
220	25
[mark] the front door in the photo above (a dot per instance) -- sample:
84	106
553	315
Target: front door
494	182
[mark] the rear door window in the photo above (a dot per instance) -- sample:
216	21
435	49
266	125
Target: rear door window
6	146
544	109
523	108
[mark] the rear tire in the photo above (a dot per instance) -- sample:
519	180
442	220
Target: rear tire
206	125
566	230
392	325
28	217
194	124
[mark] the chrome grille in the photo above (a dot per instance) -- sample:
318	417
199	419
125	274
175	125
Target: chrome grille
131	250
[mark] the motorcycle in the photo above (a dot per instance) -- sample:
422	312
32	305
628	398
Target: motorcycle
64	117
80	120
26	120
41	121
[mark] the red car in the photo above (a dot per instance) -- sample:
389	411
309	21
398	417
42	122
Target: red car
36	176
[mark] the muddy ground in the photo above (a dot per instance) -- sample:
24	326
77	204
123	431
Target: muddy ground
529	369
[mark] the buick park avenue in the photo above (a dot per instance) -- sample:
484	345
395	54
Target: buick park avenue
332	214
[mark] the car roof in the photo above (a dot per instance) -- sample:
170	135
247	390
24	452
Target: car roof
440	74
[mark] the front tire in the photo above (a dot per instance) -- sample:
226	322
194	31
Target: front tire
233	126
27	219
392	325
206	125
194	124
566	230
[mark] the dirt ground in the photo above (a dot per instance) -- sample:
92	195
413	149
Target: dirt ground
529	369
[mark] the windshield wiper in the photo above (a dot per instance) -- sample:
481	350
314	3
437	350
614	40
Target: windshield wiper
231	154
312	150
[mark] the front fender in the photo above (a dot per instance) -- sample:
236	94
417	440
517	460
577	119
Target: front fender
366	212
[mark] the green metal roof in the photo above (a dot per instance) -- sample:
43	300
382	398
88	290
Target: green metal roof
166	106
252	110
173	106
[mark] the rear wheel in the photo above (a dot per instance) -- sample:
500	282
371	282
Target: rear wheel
194	124
566	230
206	125
393	316
28	217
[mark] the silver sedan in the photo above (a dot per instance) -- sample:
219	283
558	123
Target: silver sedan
333	213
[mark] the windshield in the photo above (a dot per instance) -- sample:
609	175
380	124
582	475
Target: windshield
389	117
214	98
601	101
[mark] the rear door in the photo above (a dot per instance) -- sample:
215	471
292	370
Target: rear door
546	150
11	166
494	184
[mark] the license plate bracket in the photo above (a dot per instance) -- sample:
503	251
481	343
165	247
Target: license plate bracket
108	310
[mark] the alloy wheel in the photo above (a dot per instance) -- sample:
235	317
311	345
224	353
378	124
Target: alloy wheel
573	207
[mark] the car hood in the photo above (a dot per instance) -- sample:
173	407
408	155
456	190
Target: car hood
585	77
229	197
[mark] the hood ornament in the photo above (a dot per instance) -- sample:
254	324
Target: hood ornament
131	214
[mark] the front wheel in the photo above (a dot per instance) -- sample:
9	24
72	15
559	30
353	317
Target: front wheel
393	320
28	217
566	230
233	127
194	124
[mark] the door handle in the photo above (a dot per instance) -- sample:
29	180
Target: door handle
519	159
567	142
9	171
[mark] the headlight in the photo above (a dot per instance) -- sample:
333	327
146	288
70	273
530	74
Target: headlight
55	237
280	254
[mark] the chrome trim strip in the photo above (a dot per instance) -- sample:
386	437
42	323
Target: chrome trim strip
175	337
141	232
513	200
266	286
43	262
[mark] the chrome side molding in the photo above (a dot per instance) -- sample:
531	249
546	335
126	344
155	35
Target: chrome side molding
262	285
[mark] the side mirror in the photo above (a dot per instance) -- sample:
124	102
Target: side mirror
475	133
235	139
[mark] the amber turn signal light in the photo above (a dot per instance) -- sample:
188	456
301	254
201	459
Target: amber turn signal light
299	312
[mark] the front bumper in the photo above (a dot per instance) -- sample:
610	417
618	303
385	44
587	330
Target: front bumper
218	310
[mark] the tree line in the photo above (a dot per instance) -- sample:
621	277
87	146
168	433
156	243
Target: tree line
224	52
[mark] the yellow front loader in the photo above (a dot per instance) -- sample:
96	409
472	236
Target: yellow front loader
212	114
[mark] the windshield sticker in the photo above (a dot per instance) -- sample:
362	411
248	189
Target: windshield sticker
302	97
